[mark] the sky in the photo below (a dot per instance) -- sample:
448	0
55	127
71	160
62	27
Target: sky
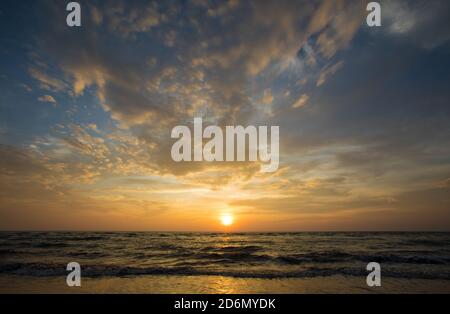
86	115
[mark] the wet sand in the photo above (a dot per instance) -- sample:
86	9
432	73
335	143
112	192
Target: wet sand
219	284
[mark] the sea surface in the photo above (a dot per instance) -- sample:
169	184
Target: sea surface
239	255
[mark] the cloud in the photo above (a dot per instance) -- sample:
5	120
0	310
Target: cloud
401	19
336	22
327	72
421	22
223	8
204	72
267	98
129	20
46	81
301	101
26	87
137	69
47	98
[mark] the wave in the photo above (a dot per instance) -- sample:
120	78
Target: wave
8	252
430	242
49	244
95	271
86	254
233	249
260	255
331	257
252	254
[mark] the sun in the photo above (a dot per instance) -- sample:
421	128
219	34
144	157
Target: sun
227	219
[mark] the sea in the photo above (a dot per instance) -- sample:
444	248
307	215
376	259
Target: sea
241	255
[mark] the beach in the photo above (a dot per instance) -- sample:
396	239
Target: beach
203	263
218	285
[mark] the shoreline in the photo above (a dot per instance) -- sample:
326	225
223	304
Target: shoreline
174	284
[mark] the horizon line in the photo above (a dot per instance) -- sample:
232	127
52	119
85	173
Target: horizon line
231	232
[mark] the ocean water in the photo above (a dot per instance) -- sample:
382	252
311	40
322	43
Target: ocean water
240	255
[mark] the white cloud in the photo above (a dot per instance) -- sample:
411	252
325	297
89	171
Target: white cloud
47	98
303	99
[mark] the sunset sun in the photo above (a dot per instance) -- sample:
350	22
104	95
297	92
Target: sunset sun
226	219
